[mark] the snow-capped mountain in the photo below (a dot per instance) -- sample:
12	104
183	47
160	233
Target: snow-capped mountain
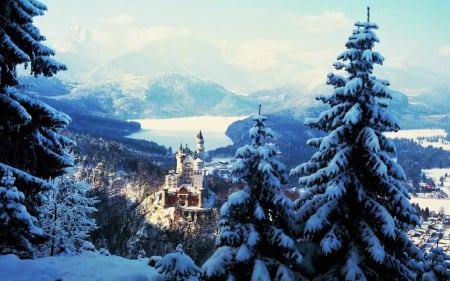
170	95
240	68
133	96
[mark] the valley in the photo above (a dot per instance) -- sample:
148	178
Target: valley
196	141
126	142
172	132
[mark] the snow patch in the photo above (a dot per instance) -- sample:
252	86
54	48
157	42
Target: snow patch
86	266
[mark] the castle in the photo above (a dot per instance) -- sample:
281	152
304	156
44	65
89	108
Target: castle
187	185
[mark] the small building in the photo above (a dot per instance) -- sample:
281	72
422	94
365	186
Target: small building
187	185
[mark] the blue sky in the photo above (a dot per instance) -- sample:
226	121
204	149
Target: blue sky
261	35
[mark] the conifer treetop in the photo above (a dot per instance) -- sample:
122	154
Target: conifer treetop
355	208
21	42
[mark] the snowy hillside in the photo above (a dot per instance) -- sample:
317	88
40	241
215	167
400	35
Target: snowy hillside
171	95
86	266
425	137
436	138
138	96
428	199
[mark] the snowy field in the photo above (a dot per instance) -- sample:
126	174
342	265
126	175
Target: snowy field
433	204
172	132
436	174
439	141
418	134
84	267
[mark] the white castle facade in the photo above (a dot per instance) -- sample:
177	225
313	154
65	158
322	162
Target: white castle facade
187	185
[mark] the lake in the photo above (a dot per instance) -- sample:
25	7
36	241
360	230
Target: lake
172	132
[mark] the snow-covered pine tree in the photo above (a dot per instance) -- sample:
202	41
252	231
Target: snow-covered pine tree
21	41
31	146
437	265
256	223
14	214
356	209
66	216
177	266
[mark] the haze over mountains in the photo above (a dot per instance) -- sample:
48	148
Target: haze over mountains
181	76
243	69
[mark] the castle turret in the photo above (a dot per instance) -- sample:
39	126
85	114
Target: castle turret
180	156
201	197
200	148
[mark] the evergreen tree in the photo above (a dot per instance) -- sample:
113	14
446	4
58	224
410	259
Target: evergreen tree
14	214
255	240
65	216
356	210
31	146
177	266
437	265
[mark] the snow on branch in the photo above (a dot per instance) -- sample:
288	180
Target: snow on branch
383	215
25	176
320	218
351	269
12	49
353	86
353	116
14	110
42	112
370	140
218	263
374	246
330	242
260	271
336	80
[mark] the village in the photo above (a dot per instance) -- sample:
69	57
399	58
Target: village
185	192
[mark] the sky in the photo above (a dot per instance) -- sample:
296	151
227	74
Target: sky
281	42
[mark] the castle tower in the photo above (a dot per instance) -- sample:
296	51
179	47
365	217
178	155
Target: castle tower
180	157
200	148
201	197
164	197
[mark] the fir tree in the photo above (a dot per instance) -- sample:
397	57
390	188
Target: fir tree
31	146
66	216
255	240
177	266
14	214
437	265
356	210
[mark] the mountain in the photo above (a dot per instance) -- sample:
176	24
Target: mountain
241	68
433	101
133	97
175	95
186	56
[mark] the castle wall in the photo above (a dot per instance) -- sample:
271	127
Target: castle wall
189	171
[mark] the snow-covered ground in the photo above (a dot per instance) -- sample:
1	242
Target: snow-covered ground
436	205
423	137
435	138
436	175
172	132
86	266
424	200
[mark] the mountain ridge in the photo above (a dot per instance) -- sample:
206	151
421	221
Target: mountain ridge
173	95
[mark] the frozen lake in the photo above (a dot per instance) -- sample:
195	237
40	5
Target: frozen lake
172	132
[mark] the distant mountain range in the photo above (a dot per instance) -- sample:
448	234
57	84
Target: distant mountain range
176	95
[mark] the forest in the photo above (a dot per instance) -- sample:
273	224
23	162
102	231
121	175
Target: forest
71	182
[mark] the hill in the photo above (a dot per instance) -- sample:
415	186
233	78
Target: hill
176	95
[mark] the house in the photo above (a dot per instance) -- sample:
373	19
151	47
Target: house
186	186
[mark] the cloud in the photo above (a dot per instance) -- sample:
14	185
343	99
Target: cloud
444	51
323	23
115	41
